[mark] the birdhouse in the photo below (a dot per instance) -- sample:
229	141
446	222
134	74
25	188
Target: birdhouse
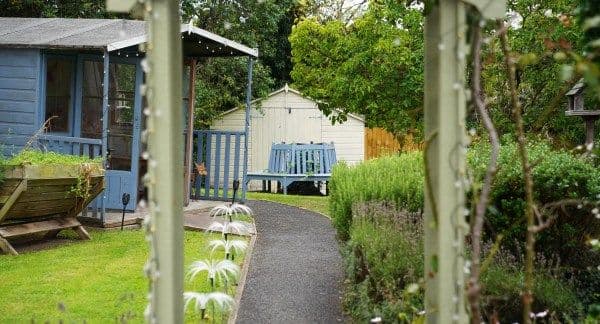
576	107
575	97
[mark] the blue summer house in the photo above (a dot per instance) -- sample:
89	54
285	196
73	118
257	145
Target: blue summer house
74	86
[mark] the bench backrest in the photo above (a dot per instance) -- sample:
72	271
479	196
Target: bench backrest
302	158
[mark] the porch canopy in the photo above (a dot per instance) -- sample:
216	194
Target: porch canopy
108	35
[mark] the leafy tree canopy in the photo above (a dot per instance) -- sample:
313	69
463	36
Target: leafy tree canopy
263	24
539	32
371	66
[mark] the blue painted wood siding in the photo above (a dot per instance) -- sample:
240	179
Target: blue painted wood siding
19	86
221	154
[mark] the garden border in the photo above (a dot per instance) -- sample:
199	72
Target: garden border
242	282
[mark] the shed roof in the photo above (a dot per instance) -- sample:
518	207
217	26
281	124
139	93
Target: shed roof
107	34
286	88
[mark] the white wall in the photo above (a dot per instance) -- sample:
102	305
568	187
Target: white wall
348	138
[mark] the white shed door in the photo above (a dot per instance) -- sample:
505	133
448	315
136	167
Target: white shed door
302	125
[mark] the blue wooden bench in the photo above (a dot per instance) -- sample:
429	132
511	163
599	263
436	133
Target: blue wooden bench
297	162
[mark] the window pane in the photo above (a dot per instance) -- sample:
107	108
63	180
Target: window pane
58	94
121	97
91	114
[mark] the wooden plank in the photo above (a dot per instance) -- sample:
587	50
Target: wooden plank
81	232
42	212
236	157
190	134
208	162
40	205
199	155
226	163
6	247
217	176
12	199
29	197
38	227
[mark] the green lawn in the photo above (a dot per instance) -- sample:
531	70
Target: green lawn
319	204
98	281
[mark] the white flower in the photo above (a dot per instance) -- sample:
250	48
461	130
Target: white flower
548	13
235	227
201	300
216	269
412	288
594	242
226	211
539	315
228	246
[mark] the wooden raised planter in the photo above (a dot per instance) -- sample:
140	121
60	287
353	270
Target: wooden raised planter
46	198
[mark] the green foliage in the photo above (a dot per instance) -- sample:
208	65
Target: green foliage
221	82
384	261
394	179
372	67
384	265
35	157
54	8
557	176
547	30
503	285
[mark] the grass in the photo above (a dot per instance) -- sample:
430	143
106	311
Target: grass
319	204
97	281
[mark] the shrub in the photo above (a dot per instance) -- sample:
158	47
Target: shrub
503	284
557	175
393	179
383	256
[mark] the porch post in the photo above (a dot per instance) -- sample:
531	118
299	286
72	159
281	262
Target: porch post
247	127
189	147
165	165
105	87
445	226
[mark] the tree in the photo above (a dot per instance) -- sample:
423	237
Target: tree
56	8
539	31
261	24
372	66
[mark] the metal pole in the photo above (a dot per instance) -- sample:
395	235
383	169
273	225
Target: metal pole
165	165
445	226
247	127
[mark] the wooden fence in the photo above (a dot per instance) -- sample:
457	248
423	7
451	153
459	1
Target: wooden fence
380	142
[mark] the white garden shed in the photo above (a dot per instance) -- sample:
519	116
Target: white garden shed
287	116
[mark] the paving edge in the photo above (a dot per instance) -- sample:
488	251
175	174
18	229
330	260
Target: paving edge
242	282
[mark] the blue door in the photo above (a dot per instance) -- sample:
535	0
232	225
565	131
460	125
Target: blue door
124	125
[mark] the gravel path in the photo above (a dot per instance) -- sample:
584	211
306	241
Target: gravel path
296	271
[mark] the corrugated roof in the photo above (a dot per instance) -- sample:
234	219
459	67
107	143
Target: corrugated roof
109	34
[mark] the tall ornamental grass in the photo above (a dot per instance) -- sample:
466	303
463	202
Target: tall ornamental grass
394	179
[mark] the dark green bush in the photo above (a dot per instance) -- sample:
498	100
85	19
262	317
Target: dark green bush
557	176
393	179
